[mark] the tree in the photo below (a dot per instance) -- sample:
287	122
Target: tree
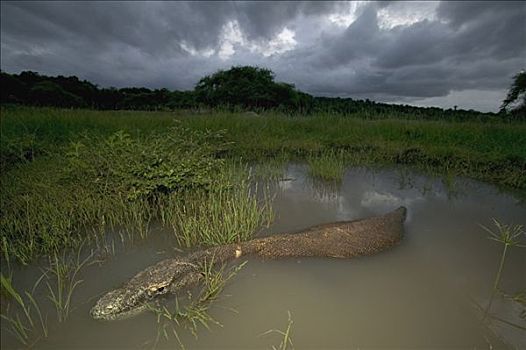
248	87
13	89
47	93
517	94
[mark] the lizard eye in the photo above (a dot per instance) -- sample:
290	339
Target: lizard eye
160	289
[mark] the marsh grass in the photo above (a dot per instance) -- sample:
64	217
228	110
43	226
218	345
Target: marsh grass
72	174
57	282
286	341
195	314
21	321
271	168
226	215
493	152
62	278
100	184
329	165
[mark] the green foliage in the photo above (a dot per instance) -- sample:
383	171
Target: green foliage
329	165
22	328
59	279
238	88
517	95
509	236
102	182
144	167
46	93
64	271
248	87
491	152
71	174
227	214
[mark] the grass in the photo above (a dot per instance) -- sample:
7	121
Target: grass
196	313
222	216
286	335
64	271
328	166
22	313
492	152
119	183
22	327
68	175
509	236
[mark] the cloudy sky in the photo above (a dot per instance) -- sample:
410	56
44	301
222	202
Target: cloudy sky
423	53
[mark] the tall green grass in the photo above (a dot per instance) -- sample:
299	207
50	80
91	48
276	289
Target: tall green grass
72	174
493	152
229	213
123	182
329	165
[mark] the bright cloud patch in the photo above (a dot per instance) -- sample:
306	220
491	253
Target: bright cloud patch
406	13
192	51
230	37
283	42
233	38
347	17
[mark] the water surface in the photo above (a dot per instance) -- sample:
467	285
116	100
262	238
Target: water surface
420	294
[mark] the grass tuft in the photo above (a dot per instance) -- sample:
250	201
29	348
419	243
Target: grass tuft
229	214
328	166
195	313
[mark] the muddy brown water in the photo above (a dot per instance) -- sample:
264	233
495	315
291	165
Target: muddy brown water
418	295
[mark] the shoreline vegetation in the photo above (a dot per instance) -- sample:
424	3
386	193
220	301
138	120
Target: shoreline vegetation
74	181
69	171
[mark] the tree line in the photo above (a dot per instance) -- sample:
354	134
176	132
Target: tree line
239	88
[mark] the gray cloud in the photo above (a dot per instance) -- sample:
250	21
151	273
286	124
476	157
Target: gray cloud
427	53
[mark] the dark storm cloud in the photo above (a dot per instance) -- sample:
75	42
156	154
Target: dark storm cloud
454	46
261	19
429	57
